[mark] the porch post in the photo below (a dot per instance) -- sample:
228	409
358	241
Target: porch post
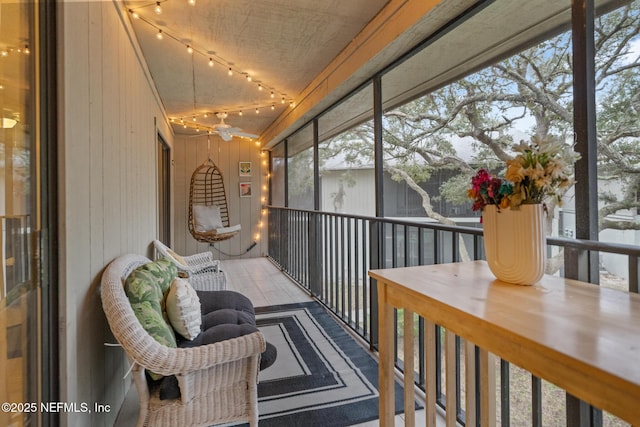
583	265
376	238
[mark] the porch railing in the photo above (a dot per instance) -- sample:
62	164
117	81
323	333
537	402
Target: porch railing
329	254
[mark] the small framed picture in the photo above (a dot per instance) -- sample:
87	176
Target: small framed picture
245	169
245	189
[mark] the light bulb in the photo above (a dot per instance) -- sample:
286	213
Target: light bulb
259	86
282	100
158	9
230	72
257	111
273	94
240	112
206	115
248	78
273	107
194	118
26	49
291	104
134	14
159	35
210	62
189	49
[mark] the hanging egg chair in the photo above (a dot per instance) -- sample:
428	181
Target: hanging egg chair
208	210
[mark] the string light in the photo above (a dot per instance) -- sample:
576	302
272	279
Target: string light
211	59
191	50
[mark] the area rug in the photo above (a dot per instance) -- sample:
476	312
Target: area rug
321	377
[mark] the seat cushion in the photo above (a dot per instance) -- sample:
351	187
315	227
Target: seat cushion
207	217
211	301
225	315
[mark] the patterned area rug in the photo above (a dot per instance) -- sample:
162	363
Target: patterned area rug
321	377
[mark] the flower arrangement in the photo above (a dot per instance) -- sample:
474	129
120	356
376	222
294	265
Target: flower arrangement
538	171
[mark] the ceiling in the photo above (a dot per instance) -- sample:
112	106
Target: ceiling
282	45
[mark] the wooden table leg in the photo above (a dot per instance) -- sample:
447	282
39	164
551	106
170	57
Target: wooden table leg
450	378
409	392
386	368
430	372
470	380
488	388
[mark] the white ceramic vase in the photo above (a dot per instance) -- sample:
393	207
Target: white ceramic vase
515	243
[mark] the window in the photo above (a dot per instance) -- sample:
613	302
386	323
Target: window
347	181
277	190
21	378
300	169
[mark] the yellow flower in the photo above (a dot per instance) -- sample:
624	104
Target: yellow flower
515	171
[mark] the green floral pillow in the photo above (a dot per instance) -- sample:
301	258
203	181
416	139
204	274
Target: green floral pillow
147	288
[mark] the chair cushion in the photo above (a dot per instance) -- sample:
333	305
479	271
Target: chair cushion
183	309
179	259
225	315
206	218
216	300
146	287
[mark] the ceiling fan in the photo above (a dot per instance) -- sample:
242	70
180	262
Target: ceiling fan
227	132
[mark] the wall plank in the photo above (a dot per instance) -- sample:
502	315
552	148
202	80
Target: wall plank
108	193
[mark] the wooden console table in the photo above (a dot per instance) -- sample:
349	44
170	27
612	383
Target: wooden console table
578	336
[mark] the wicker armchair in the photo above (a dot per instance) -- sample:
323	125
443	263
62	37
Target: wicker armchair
218	382
203	271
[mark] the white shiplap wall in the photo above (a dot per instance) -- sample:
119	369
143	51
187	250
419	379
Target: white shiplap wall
191	152
108	191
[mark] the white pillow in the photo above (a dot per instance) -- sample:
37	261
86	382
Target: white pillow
183	309
206	218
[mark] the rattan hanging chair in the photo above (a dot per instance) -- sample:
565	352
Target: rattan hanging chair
207	190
